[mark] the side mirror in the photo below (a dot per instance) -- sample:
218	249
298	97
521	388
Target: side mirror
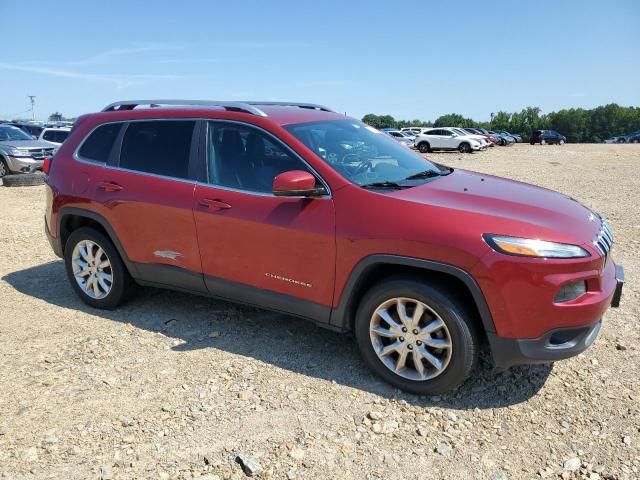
296	183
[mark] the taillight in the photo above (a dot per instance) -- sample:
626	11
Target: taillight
46	165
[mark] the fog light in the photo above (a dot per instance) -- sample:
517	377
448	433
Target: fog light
571	291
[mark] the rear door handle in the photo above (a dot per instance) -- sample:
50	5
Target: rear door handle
109	186
214	203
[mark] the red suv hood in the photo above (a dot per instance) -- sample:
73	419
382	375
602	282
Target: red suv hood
497	205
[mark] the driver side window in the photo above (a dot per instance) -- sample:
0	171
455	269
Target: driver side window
245	158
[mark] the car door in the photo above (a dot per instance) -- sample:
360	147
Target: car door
275	252
147	196
449	141
435	139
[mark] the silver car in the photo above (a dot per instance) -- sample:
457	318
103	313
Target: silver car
20	153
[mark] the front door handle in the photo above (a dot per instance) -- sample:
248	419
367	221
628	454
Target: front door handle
110	186
214	203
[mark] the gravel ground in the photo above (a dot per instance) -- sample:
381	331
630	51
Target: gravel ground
177	386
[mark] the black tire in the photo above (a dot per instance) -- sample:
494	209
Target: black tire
532	143
23	180
561	142
4	169
464	147
462	330
123	286
424	147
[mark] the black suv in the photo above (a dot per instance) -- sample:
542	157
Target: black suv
547	136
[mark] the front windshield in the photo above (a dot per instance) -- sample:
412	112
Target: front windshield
460	132
12	133
361	153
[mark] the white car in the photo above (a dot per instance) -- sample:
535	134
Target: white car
480	138
402	137
447	139
54	135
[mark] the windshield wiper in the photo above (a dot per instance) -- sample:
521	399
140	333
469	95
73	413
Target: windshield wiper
425	174
430	174
383	185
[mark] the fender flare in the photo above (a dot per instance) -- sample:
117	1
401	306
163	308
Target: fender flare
339	315
81	212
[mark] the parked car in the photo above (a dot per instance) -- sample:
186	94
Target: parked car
399	136
55	136
633	138
490	138
618	139
20	153
481	138
309	213
544	137
415	131
515	136
446	139
32	129
502	139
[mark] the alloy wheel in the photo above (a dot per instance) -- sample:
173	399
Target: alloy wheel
92	269
410	339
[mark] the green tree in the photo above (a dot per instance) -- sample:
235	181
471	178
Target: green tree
453	120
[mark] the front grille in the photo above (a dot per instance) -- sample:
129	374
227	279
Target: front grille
604	240
40	153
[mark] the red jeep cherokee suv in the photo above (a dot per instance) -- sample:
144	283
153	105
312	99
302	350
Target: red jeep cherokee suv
298	209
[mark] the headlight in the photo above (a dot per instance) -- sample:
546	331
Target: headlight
528	247
18	152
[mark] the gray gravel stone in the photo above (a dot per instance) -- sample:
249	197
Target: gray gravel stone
250	465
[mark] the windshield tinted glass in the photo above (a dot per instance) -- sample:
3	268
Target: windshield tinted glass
12	133
359	152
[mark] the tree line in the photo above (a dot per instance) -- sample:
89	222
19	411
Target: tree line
577	124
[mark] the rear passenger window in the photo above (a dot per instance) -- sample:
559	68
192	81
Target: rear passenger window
158	147
98	145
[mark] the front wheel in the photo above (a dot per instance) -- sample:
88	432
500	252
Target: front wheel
561	142
95	269
543	142
464	148
416	337
4	170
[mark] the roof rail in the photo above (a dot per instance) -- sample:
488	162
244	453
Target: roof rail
233	106
311	106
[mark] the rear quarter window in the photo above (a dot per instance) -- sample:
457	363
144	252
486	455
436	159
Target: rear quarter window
158	147
98	145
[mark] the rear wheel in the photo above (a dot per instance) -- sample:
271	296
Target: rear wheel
543	142
416	337
95	269
424	147
561	142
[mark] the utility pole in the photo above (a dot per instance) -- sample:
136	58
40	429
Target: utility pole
32	98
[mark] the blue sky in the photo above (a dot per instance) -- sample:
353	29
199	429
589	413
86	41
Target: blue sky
415	59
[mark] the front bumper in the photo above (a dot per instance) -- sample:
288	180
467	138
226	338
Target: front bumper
556	344
24	164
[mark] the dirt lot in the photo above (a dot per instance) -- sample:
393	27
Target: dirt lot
175	386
